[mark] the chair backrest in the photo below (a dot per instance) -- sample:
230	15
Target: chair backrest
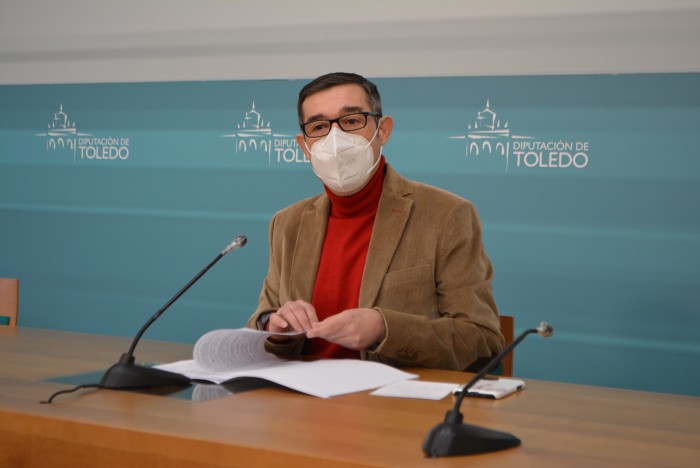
9	301
508	331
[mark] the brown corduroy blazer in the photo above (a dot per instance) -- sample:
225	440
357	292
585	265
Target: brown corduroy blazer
426	272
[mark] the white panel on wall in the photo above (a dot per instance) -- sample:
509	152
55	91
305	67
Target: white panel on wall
76	41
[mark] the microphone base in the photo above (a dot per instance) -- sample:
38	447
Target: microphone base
125	375
452	438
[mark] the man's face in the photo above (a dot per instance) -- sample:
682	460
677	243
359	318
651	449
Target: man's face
341	100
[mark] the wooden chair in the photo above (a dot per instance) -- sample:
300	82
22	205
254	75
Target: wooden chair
508	331
9	301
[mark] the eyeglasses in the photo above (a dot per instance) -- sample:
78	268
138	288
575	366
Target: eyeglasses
348	123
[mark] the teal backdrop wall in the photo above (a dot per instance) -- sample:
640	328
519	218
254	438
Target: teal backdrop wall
112	196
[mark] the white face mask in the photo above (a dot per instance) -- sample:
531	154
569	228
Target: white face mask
343	161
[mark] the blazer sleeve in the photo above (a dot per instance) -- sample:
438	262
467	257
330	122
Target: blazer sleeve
269	300
465	327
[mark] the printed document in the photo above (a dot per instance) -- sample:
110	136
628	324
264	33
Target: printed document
224	355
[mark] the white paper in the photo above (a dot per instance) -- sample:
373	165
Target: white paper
324	378
494	388
223	355
226	349
416	389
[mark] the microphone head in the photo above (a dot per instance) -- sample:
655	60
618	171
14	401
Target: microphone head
239	241
236	243
545	330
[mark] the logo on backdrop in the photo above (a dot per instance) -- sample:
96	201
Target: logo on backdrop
62	136
254	135
489	137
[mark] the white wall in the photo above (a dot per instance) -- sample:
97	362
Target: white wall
71	41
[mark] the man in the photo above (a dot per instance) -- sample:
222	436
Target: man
378	267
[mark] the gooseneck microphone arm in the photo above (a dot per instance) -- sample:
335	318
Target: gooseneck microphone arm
238	242
125	374
453	437
544	330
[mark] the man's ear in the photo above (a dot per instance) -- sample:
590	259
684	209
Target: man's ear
385	128
302	145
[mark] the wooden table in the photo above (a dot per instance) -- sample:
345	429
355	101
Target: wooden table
559	424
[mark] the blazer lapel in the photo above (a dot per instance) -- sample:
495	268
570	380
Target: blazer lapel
307	254
392	215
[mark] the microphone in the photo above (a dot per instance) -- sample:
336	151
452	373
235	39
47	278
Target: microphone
453	437
125	374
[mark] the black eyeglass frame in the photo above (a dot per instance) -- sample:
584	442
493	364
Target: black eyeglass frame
337	120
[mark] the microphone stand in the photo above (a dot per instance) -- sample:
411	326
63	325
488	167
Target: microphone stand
454	437
126	374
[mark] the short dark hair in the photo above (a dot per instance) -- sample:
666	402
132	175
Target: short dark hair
336	79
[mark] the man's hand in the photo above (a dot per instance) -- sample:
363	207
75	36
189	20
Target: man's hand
353	328
298	316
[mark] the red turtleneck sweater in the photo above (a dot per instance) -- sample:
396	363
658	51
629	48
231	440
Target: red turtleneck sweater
342	263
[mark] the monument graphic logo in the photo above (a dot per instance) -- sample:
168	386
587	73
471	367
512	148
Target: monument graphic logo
490	137
255	135
62	135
